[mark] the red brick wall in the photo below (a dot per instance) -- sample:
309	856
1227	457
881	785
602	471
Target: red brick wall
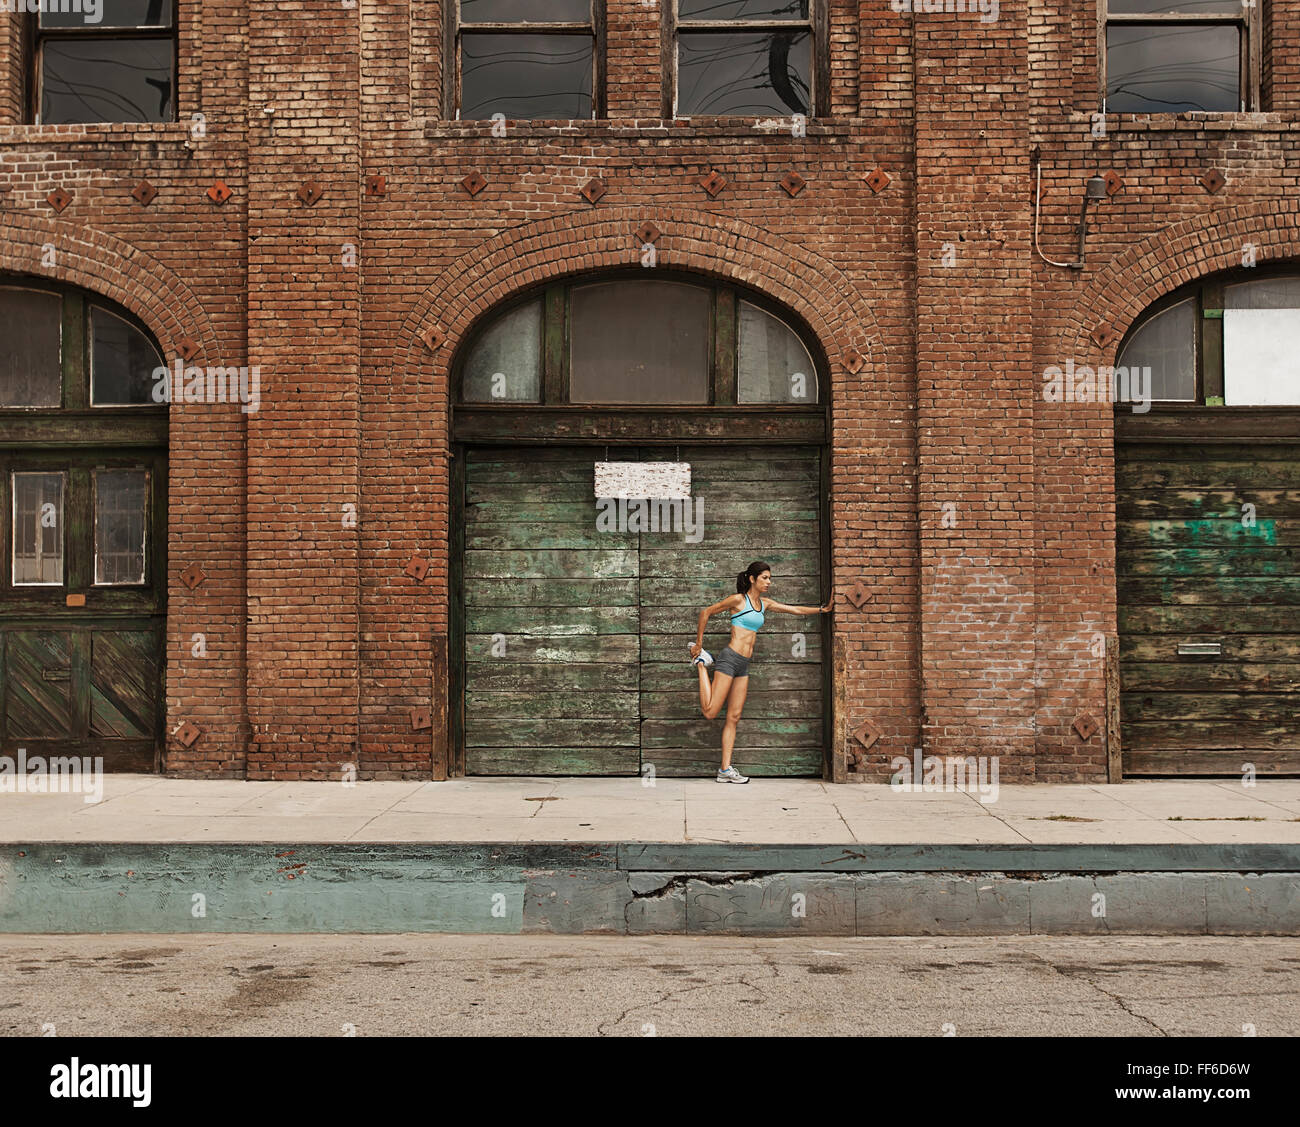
978	638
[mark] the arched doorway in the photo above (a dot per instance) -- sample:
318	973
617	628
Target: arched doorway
624	446
1207	507
83	486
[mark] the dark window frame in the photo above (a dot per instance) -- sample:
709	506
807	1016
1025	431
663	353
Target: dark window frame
723	346
1251	46
1208	295
75	344
36	37
453	30
817	25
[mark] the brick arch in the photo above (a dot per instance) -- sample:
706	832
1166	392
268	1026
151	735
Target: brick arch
1173	257
718	246
113	269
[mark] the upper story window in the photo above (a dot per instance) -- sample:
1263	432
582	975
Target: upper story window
746	58
61	349
526	59
627	342
1226	341
105	60
1180	56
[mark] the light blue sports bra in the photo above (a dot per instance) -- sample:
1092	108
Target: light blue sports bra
750	619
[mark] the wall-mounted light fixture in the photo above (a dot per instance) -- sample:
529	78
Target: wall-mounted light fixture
1095	190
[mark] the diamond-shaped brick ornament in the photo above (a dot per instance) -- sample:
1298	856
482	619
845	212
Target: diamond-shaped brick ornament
713	183
219	193
1213	180
859	594
418	568
593	189
474	183
376	185
144	193
432	338
793	183
187	733
192	576
1085	726
1114	182
877	180
1102	335
421	718
187	349
866	734
647	233
309	192
853	360
59	199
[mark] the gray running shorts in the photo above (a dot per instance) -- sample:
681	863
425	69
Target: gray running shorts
731	663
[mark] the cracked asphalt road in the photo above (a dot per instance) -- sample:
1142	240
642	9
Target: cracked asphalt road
320	985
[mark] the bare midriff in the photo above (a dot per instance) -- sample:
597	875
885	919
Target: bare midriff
742	641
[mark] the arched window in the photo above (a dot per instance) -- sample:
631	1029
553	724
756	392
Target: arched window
1229	340
60	348
640	342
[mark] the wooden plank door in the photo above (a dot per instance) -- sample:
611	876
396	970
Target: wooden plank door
552	625
760	502
1208	555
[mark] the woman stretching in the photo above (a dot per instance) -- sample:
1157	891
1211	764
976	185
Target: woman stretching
731	670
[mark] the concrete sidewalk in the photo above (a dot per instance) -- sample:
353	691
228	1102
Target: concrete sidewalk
147	808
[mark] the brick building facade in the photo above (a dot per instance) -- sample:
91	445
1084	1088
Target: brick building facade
368	234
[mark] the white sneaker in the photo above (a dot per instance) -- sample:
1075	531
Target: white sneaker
705	658
731	775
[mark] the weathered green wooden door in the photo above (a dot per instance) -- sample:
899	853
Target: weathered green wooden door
576	636
1208	576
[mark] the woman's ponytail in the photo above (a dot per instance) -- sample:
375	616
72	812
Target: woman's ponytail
752	572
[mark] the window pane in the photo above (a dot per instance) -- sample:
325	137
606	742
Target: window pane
1172	69
122	362
1185	7
1261	357
121	509
743	75
112	13
773	365
505	365
1266	293
639	342
106	80
526	77
742	9
525	11
29	349
38	529
1167	345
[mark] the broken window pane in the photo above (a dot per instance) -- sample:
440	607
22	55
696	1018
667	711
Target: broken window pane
121	511
112	13
639	342
122	362
744	74
526	77
764	10
38	529
1168	68
84	80
30	355
505	364
525	11
1167	345
772	364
